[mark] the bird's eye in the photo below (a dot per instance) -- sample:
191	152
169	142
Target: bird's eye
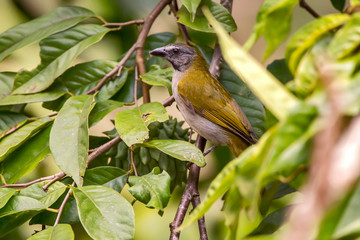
175	50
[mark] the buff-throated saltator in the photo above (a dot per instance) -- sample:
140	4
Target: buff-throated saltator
205	104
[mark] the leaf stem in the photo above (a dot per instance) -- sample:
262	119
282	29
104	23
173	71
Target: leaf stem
61	209
133	22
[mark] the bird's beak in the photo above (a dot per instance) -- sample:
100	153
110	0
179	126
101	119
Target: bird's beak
160	52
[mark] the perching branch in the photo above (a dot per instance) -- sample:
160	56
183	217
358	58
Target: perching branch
61	209
306	6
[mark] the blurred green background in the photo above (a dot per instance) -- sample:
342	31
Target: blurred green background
149	225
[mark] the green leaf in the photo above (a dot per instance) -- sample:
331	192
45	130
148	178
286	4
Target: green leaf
349	221
85	76
13	141
264	85
272	13
59	232
48	197
31	98
201	23
69	137
5	195
153	189
159	40
280	70
39	28
102	109
338	4
310	34
347	39
6	83
10	120
179	149
159	77
25	159
271	222
132	124
191	6
17	211
57	53
108	176
104	213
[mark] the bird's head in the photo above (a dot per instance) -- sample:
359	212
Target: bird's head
179	55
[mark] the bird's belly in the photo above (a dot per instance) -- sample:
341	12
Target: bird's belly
207	129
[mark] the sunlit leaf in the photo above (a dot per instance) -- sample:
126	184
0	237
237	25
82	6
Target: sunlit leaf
181	150
153	189
132	124
6	83
347	39
191	6
5	195
69	137
104	213
31	98
24	34
272	13
201	23
36	191
57	53
264	85
159	77
10	120
59	232
310	34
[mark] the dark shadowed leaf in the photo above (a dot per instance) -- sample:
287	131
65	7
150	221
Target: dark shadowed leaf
102	109
11	142
338	4
10	120
25	159
108	176
17	211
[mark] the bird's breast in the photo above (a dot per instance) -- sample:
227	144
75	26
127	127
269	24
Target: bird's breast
201	125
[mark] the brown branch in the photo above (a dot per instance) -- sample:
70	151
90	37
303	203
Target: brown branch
136	85
23	185
114	71
168	101
57	177
149	20
61	209
137	22
174	9
306	6
191	194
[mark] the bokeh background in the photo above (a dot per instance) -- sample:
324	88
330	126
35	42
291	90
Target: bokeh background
149	225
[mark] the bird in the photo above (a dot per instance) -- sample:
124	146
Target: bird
205	104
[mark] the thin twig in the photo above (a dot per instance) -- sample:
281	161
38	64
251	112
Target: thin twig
136	85
57	177
138	22
306	6
132	162
114	71
174	9
149	20
61	209
24	185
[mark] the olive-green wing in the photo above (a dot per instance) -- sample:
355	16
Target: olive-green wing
215	105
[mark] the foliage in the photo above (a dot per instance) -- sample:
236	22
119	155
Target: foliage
289	104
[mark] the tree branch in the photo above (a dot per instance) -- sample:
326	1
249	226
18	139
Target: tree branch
149	20
61	209
306	6
137	22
